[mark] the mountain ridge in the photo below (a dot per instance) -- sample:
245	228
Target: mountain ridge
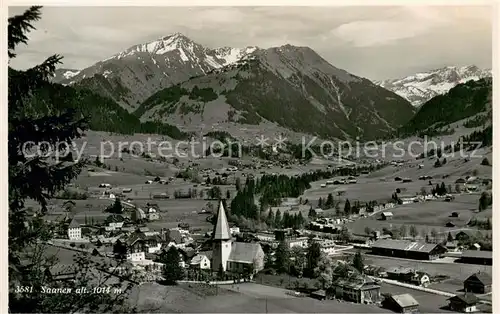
423	86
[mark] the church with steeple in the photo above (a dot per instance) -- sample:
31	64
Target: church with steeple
235	257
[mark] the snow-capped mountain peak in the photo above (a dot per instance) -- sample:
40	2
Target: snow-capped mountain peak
421	87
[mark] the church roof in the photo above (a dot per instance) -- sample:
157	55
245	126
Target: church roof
243	252
222	231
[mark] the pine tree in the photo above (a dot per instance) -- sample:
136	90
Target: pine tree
329	200
347	207
312	257
270	218
172	271
358	262
282	257
278	220
40	179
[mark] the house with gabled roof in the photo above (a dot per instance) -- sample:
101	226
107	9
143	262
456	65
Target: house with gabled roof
114	222
236	257
74	230
401	303
479	282
465	303
356	288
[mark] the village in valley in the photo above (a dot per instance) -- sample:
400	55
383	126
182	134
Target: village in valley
360	235
178	177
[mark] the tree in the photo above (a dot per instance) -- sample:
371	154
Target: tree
329	201
423	191
413	231
312	257
277	219
228	194
345	235
368	230
172	270
437	164
358	262
282	257
434	234
450	237
347	207
324	271
37	177
270	218
484	201
485	162
120	250
458	188
444	161
220	272
403	231
238	184
116	208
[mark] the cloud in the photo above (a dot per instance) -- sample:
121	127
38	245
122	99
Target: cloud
410	22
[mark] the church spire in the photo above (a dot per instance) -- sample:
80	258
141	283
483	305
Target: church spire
222	231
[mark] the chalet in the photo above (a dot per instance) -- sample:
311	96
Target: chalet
479	283
139	244
114	222
61	272
401	303
105	185
450	224
477	257
460	181
465	303
152	214
454	215
409	275
465	235
406	180
356	288
74	230
386	215
200	261
408	249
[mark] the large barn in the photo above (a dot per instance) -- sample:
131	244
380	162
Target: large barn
408	249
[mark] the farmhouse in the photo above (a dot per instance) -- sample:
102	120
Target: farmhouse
74	230
60	272
409	275
478	283
386	215
465	303
408	249
477	257
114	222
401	303
238	257
357	288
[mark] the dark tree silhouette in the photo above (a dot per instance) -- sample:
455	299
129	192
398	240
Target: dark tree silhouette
41	178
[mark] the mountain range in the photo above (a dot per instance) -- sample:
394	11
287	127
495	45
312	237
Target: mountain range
421	87
178	81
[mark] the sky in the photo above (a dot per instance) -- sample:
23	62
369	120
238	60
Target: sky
370	41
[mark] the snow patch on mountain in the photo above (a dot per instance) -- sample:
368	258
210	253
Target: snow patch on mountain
421	87
69	74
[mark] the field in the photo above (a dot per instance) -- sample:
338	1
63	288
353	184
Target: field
425	216
242	298
456	271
